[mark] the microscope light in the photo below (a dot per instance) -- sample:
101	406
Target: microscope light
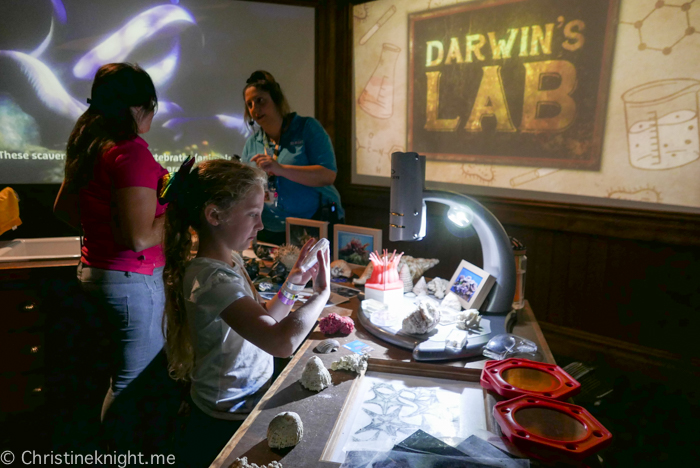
461	216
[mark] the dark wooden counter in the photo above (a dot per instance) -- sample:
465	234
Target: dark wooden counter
319	411
39	264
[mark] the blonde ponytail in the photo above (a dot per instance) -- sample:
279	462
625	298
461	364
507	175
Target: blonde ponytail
178	344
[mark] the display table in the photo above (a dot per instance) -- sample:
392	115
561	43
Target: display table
321	411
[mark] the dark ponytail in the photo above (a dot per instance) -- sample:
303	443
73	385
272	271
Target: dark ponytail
117	88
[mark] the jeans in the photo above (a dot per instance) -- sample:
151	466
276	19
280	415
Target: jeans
134	304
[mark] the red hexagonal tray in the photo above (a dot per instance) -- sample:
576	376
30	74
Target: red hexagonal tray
514	377
550	430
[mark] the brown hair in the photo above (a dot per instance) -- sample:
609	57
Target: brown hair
264	81
222	183
117	87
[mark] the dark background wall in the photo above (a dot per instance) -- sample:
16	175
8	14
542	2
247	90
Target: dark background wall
615	284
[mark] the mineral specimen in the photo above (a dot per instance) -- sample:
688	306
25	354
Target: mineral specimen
423	320
438	287
334	323
451	301
315	376
285	430
421	288
468	319
243	463
351	362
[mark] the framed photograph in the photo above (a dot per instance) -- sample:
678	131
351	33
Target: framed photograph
301	230
471	284
354	244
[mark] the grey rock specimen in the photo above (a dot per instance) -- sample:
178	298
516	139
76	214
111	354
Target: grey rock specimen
285	430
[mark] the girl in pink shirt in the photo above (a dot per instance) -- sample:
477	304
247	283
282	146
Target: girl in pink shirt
110	191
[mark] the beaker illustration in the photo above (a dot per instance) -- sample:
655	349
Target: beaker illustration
377	99
662	123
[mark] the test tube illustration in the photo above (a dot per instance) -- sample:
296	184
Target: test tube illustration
531	175
380	22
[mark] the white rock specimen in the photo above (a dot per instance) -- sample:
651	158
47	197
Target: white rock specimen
423	320
438	287
351	362
406	278
285	430
468	319
448	316
340	268
421	288
243	463
315	376
457	339
451	300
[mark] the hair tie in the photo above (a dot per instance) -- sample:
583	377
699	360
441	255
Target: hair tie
174	186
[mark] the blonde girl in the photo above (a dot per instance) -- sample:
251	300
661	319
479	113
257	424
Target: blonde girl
219	335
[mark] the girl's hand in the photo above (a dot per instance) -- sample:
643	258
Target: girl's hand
322	280
296	276
267	163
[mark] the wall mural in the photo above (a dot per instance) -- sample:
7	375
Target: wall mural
511	82
445	93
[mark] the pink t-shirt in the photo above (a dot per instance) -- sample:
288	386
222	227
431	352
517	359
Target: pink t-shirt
128	164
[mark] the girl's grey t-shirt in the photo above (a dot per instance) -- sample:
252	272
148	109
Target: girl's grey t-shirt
230	373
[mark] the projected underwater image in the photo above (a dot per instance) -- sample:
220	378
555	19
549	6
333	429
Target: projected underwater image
196	52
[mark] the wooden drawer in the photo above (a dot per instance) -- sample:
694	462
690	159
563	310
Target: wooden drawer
22	351
20	392
21	309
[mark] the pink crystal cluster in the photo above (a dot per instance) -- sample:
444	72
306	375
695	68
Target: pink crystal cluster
335	323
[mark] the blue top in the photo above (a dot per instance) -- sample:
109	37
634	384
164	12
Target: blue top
304	143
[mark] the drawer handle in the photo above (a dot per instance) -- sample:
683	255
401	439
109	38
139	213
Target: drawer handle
28	307
37	390
34	349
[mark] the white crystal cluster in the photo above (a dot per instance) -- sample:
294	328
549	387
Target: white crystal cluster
438	287
422	320
468	319
351	362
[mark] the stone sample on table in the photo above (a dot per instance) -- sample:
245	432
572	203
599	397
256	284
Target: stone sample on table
285	430
243	463
351	362
315	376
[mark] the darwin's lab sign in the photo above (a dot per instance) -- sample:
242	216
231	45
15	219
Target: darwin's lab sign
516	82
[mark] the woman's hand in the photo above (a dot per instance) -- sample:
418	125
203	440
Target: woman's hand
267	163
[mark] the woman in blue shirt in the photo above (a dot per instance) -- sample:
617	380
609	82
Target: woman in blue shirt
297	154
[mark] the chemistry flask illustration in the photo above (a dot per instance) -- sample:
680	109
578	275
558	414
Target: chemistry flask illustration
662	123
377	99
